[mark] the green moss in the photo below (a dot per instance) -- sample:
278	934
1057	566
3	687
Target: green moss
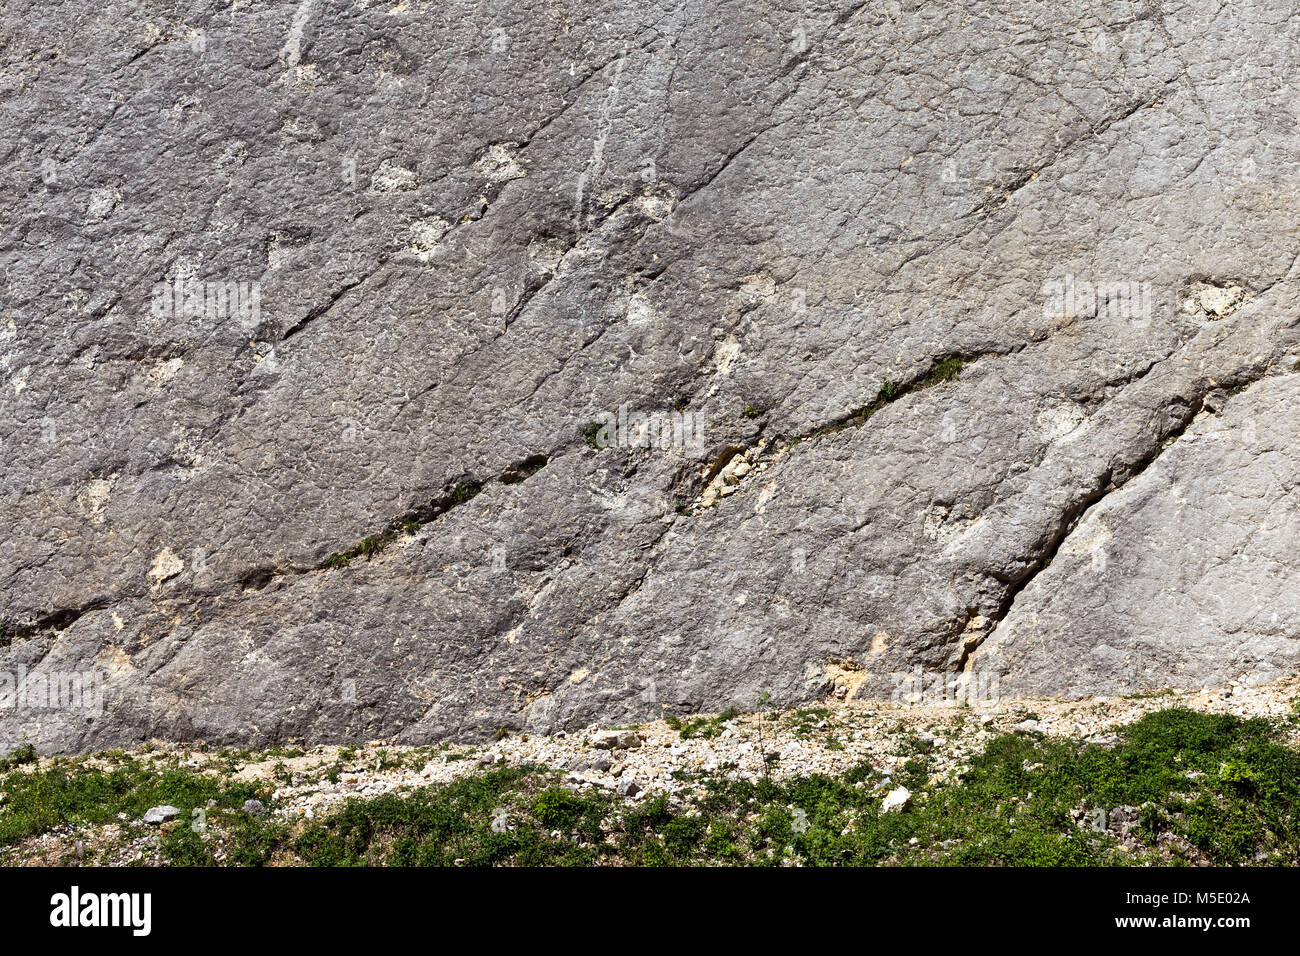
464	492
943	371
374	544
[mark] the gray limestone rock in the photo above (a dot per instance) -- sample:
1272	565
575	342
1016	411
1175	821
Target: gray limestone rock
160	814
420	370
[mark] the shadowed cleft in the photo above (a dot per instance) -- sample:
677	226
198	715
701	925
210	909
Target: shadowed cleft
523	470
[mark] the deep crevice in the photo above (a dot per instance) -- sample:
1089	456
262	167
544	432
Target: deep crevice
58	620
1107	483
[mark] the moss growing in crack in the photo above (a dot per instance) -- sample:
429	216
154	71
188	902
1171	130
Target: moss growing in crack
368	548
463	492
591	432
944	371
752	412
375	543
888	392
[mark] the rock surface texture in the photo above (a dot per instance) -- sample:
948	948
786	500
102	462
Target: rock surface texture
979	321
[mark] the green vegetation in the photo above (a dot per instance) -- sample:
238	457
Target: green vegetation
702	727
368	548
591	433
463	492
371	546
944	370
524	470
19	756
77	793
1177	787
1012	807
501	816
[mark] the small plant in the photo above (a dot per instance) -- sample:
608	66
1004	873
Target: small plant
705	728
558	809
368	548
464	492
18	757
763	698
752	412
591	433
944	371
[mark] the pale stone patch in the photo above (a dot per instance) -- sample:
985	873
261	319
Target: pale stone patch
165	565
95	497
393	177
1059	420
499	163
425	236
163	372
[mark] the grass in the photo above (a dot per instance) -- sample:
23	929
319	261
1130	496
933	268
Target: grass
501	816
702	727
946	370
1198	788
18	757
69	792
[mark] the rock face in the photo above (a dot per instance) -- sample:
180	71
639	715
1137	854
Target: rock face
965	334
